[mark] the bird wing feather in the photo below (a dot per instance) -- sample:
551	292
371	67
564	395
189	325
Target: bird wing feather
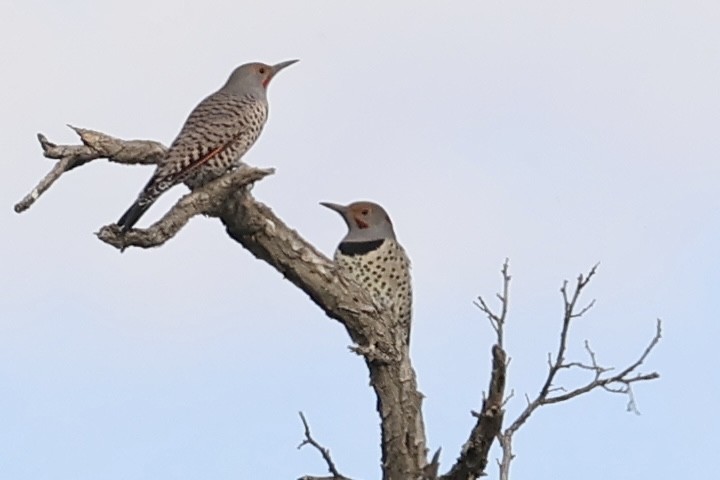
212	127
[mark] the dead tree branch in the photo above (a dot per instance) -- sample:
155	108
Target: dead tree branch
324	452
497	320
95	145
206	200
383	347
619	383
473	459
259	230
550	393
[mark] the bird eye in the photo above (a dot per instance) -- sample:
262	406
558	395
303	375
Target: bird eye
365	211
262	70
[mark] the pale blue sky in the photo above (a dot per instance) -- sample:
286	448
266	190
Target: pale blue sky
557	134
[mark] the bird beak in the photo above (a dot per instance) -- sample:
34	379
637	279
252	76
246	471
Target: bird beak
281	65
341	209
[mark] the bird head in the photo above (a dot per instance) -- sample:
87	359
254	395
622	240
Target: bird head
366	221
254	76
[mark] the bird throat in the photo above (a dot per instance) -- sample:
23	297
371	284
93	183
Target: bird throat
360	248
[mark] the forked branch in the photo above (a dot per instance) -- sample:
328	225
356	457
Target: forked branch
601	379
324	452
473	459
209	199
260	231
497	320
95	145
266	236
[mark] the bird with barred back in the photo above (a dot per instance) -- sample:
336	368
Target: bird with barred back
218	132
372	256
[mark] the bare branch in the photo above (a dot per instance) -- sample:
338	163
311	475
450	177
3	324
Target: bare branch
95	145
618	383
311	477
570	301
208	199
584	309
505	441
646	353
253	225
497	321
511	395
474	455
383	347
309	440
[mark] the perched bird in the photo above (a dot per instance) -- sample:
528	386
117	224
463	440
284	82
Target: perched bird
214	138
371	254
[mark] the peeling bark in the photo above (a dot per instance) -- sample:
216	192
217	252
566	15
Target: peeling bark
374	333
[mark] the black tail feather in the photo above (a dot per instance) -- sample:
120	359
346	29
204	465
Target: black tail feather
133	214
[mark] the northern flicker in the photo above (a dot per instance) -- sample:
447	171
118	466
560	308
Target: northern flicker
371	254
214	138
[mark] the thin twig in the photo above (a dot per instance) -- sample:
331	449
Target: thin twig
309	440
621	379
505	441
619	383
570	301
497	321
